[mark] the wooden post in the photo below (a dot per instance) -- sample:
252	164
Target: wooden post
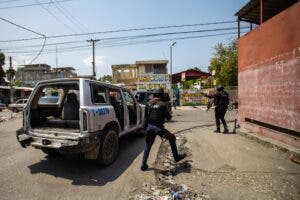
251	26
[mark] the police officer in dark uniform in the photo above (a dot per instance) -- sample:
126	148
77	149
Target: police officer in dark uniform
155	114
221	101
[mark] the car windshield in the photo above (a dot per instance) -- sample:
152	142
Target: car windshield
48	99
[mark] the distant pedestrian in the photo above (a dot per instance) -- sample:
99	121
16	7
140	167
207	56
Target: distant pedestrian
221	101
174	101
156	112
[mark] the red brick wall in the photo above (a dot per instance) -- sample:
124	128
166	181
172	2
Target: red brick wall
269	71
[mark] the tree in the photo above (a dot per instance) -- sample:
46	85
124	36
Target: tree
195	68
17	83
10	74
224	62
105	78
2	62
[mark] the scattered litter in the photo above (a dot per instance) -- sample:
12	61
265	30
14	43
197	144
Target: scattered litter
8	114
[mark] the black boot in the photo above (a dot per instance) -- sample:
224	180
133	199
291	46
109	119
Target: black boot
217	131
180	157
226	130
144	167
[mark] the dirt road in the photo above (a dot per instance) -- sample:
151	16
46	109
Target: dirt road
222	166
30	174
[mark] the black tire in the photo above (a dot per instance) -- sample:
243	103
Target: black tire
50	152
15	110
109	147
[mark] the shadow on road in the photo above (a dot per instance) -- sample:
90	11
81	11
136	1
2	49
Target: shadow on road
85	172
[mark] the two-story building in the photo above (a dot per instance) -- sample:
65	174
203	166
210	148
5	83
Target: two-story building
143	75
29	75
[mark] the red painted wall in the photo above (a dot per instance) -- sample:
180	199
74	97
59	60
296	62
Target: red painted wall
269	74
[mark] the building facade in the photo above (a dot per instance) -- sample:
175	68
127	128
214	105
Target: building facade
269	70
143	75
29	75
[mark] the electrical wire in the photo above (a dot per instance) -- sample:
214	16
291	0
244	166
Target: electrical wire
101	46
8	1
113	39
121	30
30	30
55	17
28	5
22	27
66	15
80	25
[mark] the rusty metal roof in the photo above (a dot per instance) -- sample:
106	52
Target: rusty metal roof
251	11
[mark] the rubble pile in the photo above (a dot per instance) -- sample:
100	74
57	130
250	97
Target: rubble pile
165	169
172	191
7	114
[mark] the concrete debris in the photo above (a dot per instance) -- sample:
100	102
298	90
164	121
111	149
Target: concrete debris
172	191
8	114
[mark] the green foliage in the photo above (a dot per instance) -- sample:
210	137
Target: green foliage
195	68
18	83
10	73
224	62
209	84
189	83
2	62
105	78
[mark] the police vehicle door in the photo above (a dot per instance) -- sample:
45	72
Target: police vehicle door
132	109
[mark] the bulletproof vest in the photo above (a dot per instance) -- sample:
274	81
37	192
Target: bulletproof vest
224	99
156	113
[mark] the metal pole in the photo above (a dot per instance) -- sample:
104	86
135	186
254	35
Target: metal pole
56	56
94	68
93	62
171	62
10	82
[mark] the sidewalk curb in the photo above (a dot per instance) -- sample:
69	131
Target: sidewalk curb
294	152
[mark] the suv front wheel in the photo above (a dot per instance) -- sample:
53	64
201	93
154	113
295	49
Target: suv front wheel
109	146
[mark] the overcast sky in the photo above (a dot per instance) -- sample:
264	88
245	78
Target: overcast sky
81	16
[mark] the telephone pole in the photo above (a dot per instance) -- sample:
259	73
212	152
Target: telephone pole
11	92
56	56
93	62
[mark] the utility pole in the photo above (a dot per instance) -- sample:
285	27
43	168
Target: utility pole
10	82
93	62
56	56
171	58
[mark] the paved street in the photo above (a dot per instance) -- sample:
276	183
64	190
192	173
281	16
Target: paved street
223	166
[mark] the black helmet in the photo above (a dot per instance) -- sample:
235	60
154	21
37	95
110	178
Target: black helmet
220	88
158	91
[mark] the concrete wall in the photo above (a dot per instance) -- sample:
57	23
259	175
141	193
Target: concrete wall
269	75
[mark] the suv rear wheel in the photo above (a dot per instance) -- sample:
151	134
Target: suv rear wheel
109	146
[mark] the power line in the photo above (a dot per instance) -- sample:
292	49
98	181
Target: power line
71	15
54	16
22	27
30	30
34	4
83	47
115	39
122	30
66	15
8	1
